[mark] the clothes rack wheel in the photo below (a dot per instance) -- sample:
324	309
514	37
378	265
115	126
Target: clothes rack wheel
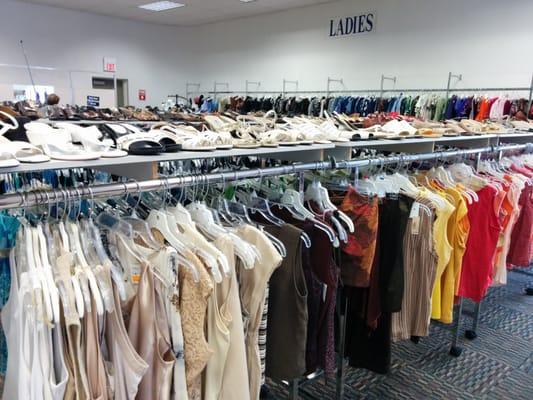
456	351
471	334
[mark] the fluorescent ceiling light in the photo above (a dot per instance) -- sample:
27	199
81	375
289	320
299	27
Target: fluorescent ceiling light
247	1
161	6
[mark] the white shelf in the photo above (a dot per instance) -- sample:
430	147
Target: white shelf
99	121
145	167
136	166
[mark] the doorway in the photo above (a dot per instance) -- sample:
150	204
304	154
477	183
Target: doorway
122	93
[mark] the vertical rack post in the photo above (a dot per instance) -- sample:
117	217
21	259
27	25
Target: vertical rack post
343	312
383	79
293	389
188	91
285	82
451	76
115	91
216	85
248	83
330	81
455	350
530	96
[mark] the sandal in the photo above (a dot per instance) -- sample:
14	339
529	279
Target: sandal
23	152
89	138
135	143
7	160
57	143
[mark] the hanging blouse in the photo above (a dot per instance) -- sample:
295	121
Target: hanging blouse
476	273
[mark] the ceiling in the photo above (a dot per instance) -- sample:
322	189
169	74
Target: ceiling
196	12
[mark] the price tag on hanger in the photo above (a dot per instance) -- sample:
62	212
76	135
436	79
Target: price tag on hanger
415	218
415	210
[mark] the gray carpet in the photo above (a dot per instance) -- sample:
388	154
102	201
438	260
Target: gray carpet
498	364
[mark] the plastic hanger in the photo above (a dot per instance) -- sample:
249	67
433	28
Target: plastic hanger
95	290
291	199
35	265
158	220
54	294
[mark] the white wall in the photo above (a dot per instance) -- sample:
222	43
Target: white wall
149	56
419	41
489	41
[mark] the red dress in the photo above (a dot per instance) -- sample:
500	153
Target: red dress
476	273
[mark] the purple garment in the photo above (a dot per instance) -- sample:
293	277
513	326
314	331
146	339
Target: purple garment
450	108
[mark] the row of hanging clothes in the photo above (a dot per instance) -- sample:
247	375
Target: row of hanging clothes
202	293
426	106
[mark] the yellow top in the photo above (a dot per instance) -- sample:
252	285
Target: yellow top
443	248
458	228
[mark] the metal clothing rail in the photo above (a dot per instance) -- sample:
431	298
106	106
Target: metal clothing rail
378	90
41	197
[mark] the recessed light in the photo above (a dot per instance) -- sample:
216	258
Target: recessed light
247	1
161	6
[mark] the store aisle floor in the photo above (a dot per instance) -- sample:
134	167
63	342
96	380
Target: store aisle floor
497	365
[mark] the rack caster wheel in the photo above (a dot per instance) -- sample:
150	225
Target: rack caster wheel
470	335
456	351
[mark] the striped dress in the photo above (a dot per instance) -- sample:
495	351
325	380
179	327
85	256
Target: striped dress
420	267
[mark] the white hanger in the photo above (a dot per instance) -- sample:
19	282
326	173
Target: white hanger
34	261
209	253
78	295
54	293
95	290
205	221
158	220
292	199
200	214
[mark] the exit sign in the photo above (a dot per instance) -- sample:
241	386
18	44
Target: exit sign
110	64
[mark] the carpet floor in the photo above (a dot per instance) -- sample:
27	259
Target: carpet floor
498	364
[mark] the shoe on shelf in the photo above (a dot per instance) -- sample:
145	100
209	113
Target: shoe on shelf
134	141
23	152
57	143
89	138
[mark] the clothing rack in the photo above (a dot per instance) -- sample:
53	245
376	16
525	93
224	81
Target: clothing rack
378	90
451	76
43	197
188	91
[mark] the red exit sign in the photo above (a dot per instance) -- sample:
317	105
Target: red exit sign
110	64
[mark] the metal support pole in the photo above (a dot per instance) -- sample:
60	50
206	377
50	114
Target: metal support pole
383	79
530	97
293	390
342	348
29	68
471	334
285	82
188	85
330	81
248	83
459	77
216	85
115	91
455	350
